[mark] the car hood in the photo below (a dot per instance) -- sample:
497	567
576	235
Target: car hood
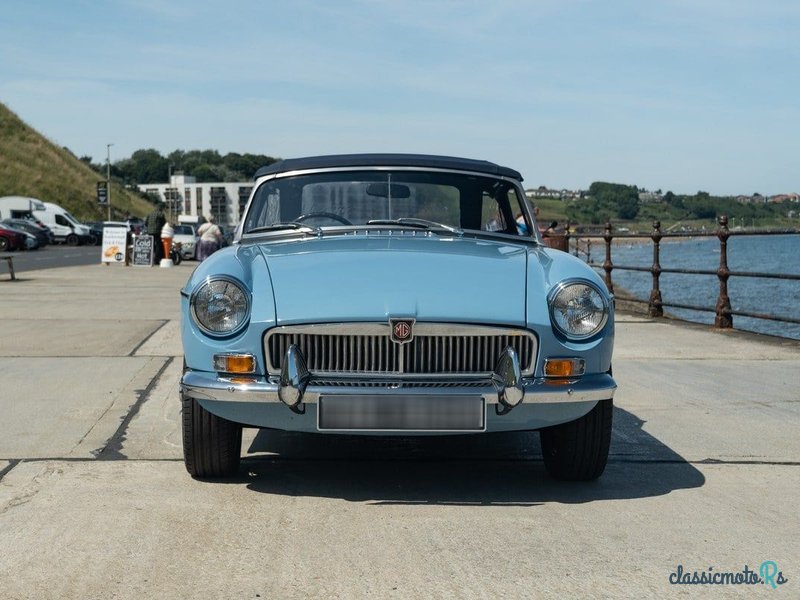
372	278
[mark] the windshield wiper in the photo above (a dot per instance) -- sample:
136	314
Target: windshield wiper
291	225
420	223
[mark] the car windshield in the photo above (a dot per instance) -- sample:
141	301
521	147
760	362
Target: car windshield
423	199
71	218
183	230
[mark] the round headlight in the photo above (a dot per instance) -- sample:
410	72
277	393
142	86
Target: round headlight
578	309
220	306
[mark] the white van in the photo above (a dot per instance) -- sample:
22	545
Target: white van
17	207
65	227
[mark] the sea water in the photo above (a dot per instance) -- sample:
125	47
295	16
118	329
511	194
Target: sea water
765	254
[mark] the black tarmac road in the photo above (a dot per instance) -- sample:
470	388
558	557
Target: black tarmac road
54	256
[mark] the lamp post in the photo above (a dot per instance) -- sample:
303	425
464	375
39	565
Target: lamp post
170	196
108	178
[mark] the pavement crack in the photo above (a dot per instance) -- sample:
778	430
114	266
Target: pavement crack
147	337
30	490
113	447
706	461
11	464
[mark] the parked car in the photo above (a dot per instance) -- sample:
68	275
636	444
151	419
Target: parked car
227	235
31	243
66	228
95	232
11	239
186	236
28	226
124	224
136	224
29	240
395	295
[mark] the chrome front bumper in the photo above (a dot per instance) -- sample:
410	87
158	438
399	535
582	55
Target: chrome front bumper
213	386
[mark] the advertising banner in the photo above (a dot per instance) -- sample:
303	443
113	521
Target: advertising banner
142	251
115	240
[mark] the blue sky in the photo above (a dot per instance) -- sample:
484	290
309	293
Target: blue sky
682	94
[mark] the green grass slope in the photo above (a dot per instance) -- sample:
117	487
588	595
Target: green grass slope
31	165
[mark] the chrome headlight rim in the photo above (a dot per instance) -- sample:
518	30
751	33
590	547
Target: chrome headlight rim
247	298
560	287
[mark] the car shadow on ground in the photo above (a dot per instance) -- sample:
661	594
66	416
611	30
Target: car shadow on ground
487	469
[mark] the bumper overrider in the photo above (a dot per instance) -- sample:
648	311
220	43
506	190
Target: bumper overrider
296	386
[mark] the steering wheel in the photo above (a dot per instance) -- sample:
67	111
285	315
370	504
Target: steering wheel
324	215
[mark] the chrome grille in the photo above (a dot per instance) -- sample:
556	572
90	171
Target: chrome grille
437	349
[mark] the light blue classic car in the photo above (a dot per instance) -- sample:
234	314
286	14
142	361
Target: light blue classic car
395	294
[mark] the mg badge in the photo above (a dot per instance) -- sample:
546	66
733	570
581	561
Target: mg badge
402	330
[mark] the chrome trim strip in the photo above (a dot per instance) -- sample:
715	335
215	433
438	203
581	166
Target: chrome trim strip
210	386
386	167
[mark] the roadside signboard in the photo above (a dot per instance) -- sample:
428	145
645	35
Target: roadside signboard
115	240
102	192
142	251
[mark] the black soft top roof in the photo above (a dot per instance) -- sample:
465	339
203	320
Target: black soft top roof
387	160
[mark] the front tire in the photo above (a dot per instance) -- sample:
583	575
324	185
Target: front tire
72	240
578	450
211	445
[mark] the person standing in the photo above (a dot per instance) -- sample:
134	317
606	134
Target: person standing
152	226
210	239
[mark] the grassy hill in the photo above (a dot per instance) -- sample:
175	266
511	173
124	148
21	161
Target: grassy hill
31	165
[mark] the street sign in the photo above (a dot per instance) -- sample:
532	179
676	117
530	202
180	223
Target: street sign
102	192
142	251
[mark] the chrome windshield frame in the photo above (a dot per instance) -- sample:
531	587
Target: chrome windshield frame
532	238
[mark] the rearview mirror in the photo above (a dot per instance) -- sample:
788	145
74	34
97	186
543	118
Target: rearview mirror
382	190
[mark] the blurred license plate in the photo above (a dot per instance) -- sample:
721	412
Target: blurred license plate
401	413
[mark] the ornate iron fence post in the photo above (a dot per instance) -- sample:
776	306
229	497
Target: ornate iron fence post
655	307
608	266
724	319
566	239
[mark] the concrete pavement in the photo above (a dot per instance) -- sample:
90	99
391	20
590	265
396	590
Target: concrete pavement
95	502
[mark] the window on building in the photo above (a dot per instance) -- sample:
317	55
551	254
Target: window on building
198	202
187	200
219	204
244	195
172	200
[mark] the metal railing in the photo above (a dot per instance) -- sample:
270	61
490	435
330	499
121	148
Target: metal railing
655	304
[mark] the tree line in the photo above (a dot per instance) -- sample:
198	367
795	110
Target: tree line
150	166
607	201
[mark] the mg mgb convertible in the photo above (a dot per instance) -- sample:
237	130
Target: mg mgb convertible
395	294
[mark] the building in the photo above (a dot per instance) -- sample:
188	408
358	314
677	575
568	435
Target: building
183	195
544	192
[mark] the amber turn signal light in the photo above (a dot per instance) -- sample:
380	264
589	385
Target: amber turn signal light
235	363
564	367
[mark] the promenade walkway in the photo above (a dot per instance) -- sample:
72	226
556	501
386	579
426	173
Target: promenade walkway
95	502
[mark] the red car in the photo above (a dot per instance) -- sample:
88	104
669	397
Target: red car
11	239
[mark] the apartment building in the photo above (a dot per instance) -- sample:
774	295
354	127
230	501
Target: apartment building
183	195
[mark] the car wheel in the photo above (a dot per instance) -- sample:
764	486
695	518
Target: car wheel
72	240
211	445
578	450
3	244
